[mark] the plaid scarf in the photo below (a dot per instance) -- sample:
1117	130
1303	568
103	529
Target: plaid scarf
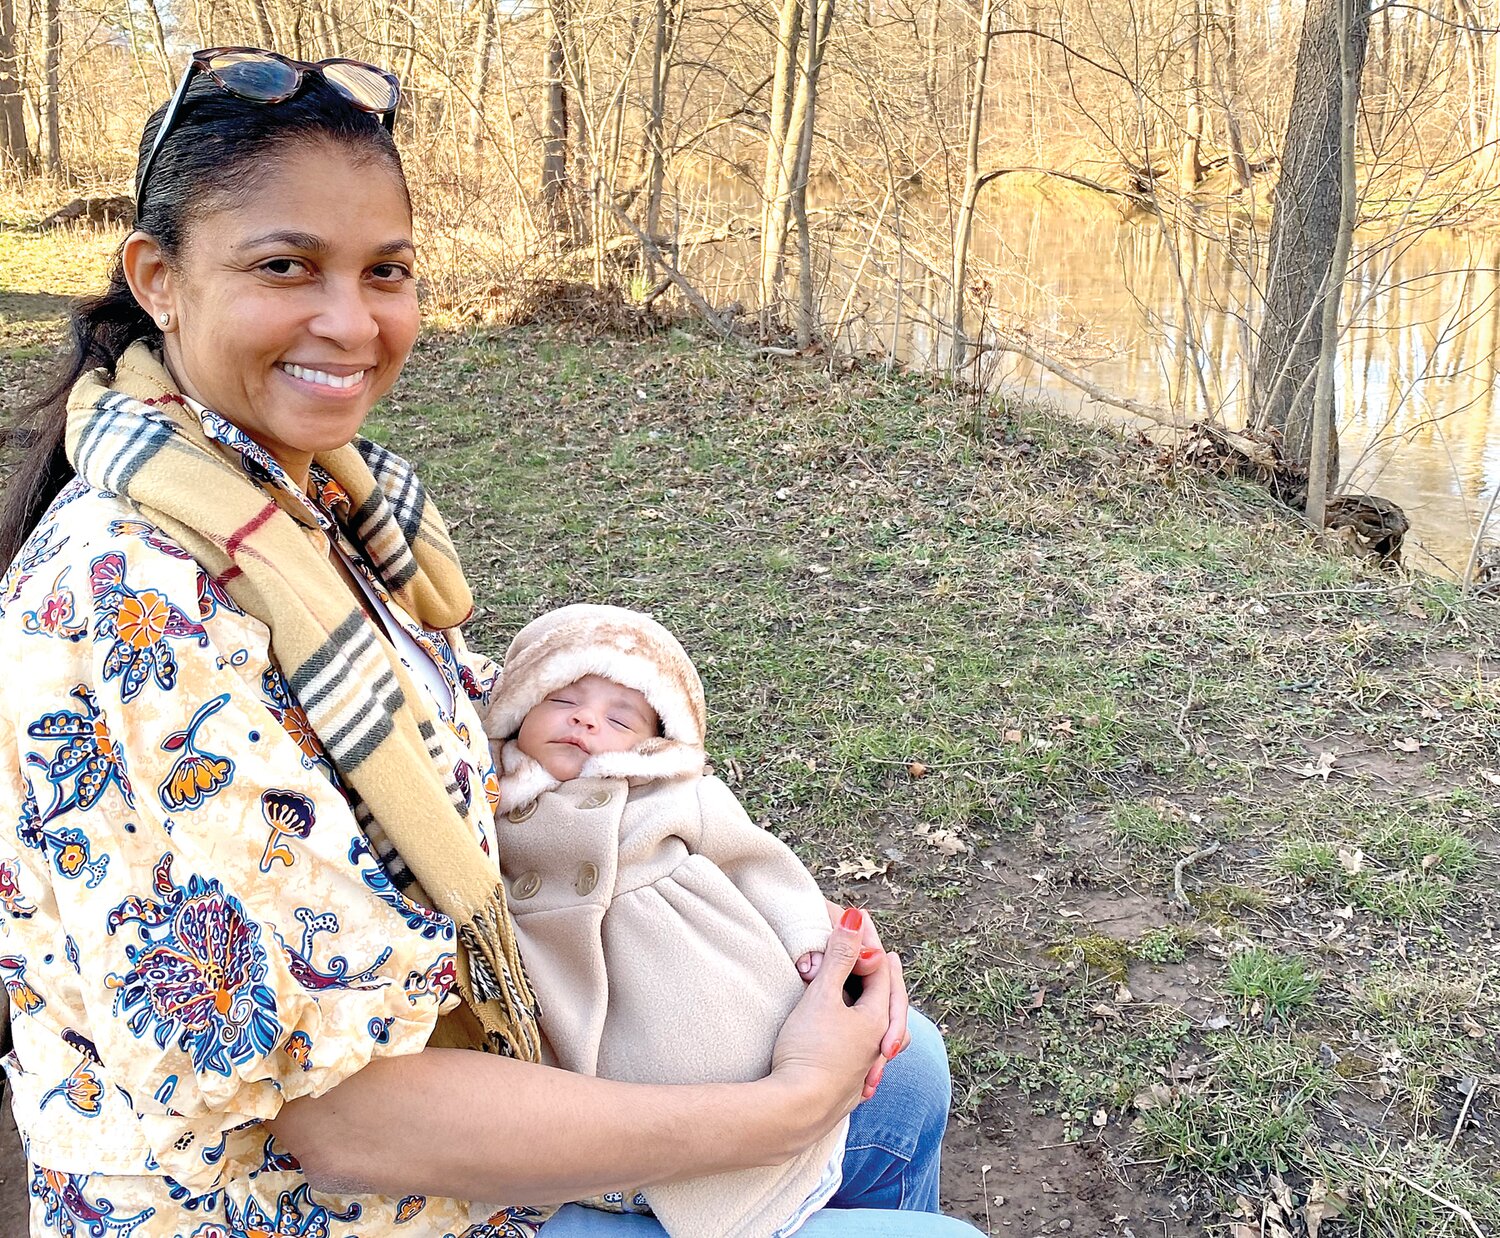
134	435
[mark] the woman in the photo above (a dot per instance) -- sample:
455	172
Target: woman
254	928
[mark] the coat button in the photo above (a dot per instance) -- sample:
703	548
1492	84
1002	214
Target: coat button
526	885
523	813
595	799
588	878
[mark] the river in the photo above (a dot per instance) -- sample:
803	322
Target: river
1416	396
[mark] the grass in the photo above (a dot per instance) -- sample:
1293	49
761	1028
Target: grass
993	675
1274	983
1255	1108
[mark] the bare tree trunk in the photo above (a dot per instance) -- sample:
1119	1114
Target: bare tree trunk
1190	165
1305	227
324	38
263	26
930	73
1488	163
964	227
1227	84
15	151
479	74
158	38
1320	476
51	93
814	43
663	42
555	183
776	183
1468	19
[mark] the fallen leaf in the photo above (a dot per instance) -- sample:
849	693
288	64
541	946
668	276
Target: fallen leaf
861	868
1490	776
1012	736
1106	1012
1322	769
1322	1203
1100	1119
1157	1096
1407	744
1430	861
1352	862
947	841
1123	995
917	770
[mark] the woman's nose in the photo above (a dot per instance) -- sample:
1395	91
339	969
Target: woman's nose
344	316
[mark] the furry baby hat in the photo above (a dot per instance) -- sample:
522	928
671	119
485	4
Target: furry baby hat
625	646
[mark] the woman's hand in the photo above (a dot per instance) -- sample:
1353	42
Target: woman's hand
874	957
827	1049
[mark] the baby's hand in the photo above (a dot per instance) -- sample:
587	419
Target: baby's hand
808	964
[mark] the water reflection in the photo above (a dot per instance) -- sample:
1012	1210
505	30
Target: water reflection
1167	320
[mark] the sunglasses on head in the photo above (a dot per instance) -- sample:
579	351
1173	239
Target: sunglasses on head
268	77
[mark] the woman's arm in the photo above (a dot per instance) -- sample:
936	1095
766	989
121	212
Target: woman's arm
475	1126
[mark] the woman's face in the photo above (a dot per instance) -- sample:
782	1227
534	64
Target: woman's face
293	312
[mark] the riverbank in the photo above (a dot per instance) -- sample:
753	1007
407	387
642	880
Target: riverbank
1185	829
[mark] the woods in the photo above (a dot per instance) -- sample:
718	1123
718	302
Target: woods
829	163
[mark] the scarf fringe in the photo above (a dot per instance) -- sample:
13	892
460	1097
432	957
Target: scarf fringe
495	975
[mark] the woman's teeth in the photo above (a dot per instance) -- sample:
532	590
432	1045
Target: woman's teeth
322	378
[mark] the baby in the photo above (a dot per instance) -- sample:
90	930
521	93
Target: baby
663	931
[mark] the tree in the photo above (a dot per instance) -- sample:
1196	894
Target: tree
51	92
794	91
1305	227
973	181
14	149
556	186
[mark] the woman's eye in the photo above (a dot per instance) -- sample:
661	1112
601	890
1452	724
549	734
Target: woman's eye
391	273
283	267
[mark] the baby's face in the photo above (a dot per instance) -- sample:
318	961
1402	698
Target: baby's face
589	716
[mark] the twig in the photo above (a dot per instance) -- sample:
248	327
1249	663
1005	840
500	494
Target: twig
1457	1209
1468	580
1136	408
1187	705
1179	896
1140	199
1464	1112
692	295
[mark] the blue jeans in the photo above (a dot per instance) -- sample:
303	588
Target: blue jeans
891	1162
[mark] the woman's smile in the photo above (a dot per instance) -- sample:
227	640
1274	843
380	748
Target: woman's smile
334	379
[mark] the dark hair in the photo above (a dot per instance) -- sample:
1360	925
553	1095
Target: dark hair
214	157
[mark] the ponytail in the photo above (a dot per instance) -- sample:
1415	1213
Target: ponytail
100	329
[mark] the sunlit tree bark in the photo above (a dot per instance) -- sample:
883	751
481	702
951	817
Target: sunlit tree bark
14	149
1305	228
51	87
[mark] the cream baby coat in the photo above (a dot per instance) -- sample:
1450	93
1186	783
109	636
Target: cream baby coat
659	925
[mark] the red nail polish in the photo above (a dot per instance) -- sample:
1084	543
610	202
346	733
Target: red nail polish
868	953
853	918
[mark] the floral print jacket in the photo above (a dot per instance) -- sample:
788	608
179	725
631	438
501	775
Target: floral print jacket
193	929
